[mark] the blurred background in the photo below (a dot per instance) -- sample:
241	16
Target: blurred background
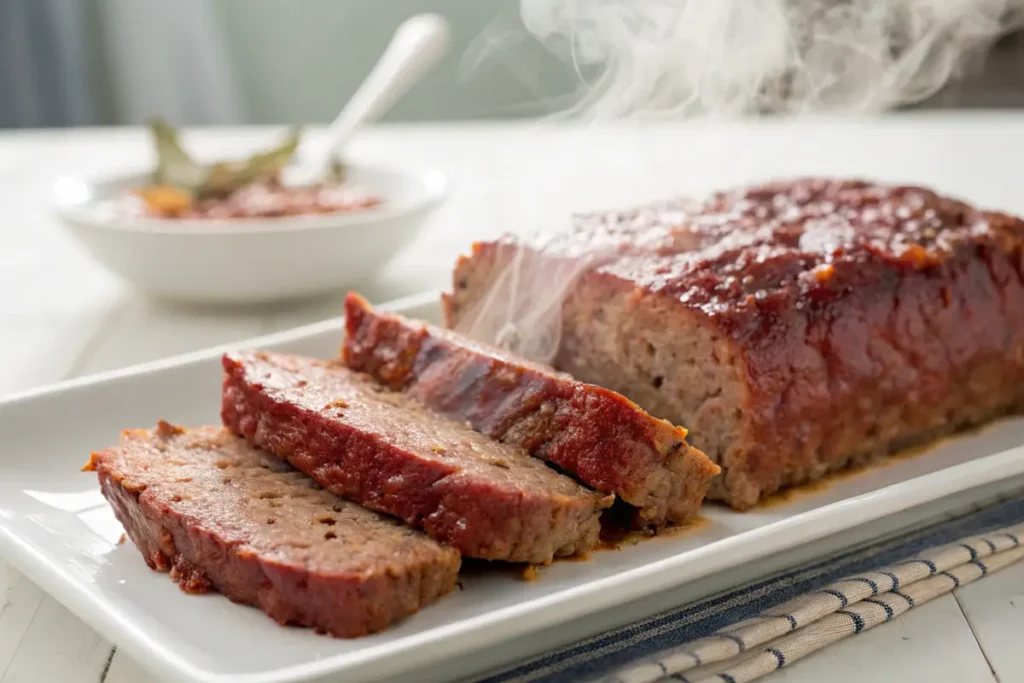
100	62
86	62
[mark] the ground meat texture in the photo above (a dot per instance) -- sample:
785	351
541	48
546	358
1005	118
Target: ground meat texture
602	439
795	328
383	450
220	515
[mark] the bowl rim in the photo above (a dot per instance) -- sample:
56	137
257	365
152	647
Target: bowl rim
433	188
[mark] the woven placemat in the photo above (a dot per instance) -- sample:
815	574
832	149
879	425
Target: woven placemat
742	634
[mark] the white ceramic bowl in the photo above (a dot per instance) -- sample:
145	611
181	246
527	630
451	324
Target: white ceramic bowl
245	261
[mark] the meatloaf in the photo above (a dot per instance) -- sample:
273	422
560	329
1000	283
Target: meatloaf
602	439
381	449
219	514
795	328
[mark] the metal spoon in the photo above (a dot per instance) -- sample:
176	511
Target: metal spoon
417	46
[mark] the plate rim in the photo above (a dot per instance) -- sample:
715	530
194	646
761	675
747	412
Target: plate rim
485	630
433	187
394	305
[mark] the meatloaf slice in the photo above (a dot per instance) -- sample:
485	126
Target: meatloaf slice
385	451
795	328
219	514
606	441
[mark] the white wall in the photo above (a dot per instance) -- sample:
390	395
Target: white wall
299	60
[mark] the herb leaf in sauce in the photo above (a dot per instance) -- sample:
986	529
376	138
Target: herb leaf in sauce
174	166
177	169
225	177
336	172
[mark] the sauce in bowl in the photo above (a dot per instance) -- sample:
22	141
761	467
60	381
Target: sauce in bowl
262	199
182	188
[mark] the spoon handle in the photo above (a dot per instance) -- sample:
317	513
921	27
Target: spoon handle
416	46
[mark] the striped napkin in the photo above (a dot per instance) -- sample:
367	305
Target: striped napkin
753	630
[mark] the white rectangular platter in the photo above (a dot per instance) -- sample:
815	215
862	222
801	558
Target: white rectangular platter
55	526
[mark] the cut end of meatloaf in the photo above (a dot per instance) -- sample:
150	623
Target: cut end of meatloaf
387	452
221	515
599	437
795	328
651	350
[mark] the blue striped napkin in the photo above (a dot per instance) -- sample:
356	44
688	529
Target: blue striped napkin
742	634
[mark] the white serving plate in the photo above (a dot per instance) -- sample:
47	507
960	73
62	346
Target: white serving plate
55	526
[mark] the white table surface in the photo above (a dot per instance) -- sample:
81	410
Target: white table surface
61	317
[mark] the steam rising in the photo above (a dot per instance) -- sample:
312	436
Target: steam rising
671	59
522	310
676	58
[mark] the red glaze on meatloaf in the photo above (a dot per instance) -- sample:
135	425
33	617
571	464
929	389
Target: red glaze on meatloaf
385	451
795	328
604	440
219	514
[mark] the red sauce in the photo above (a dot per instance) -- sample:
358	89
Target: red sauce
270	199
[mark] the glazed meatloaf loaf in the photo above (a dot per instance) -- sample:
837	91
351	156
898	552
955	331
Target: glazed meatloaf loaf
795	328
601	438
381	449
219	514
